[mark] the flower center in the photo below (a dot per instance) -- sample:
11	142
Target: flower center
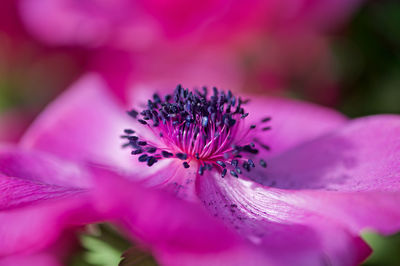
192	126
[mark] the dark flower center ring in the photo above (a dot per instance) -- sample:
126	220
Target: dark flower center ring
194	127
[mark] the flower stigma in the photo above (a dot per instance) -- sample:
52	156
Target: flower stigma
196	128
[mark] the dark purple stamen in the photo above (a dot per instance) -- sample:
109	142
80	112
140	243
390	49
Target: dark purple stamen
246	166
142	158
251	163
201	170
129	131
133	113
151	160
266	147
167	154
223	174
181	156
266	119
135	152
233	173
221	163
133	138
151	150
195	126
238	170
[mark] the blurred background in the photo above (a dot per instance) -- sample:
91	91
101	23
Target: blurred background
344	54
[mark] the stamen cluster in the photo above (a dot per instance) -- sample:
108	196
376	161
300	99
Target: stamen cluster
192	126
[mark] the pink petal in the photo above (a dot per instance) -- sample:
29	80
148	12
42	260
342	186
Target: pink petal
354	174
363	155
37	201
175	179
272	219
16	192
292	122
40	167
29	260
177	231
85	123
358	211
35	226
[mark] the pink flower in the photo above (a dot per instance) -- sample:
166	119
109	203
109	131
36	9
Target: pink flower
304	171
140	24
265	45
23	56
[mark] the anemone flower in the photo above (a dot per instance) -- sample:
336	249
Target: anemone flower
267	168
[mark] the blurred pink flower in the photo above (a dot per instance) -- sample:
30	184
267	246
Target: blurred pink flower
25	64
120	23
272	46
327	177
140	24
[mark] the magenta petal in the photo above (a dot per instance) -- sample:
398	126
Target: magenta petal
85	123
41	167
146	213
29	260
37	201
272	219
292	122
16	192
351	175
364	155
179	232
372	210
33	227
175	179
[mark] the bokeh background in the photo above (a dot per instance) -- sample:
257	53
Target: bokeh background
338	53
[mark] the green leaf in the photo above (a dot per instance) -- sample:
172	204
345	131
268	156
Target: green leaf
136	257
100	252
386	250
103	245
